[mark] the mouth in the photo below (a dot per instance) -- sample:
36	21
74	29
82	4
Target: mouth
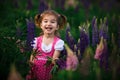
48	28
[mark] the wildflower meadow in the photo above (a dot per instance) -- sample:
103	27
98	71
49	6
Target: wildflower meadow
91	35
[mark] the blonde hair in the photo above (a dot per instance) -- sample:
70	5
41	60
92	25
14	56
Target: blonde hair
61	19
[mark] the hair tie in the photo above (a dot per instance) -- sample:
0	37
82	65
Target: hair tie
59	15
41	15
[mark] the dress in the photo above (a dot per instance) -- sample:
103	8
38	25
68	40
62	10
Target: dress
39	71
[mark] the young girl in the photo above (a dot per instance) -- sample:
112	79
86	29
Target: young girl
48	44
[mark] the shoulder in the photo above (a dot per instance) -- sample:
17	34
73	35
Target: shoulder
35	42
59	44
39	37
60	41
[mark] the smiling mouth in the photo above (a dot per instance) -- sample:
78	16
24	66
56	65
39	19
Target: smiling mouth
49	28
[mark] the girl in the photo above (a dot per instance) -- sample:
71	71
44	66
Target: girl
48	44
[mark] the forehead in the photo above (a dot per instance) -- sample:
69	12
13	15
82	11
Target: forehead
49	16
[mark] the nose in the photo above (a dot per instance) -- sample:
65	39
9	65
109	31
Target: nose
48	23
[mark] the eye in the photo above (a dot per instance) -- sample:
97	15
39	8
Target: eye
45	21
52	21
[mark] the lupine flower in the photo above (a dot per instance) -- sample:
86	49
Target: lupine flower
69	38
68	27
84	40
104	56
61	62
29	4
75	49
95	35
99	49
72	60
102	53
42	6
72	63
30	34
103	29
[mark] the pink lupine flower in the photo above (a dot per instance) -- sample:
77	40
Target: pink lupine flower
72	60
99	49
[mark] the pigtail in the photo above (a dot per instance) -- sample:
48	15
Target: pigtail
62	21
37	20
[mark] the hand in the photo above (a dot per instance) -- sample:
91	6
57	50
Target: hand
54	60
31	61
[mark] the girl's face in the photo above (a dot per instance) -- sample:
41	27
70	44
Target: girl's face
49	24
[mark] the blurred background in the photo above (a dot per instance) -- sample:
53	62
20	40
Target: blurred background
88	21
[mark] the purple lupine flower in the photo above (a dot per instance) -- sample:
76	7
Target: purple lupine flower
29	4
42	6
71	41
104	56
69	38
61	63
103	29
95	35
84	40
30	34
59	4
62	59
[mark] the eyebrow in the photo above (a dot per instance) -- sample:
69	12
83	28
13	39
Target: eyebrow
52	19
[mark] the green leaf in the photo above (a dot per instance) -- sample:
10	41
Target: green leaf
49	61
54	69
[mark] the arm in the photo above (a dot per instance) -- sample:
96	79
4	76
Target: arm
58	48
32	56
56	56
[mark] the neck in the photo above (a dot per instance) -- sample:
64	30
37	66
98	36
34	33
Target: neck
48	35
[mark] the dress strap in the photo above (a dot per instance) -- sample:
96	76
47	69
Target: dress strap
55	40
39	41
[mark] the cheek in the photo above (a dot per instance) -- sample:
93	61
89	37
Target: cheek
42	27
